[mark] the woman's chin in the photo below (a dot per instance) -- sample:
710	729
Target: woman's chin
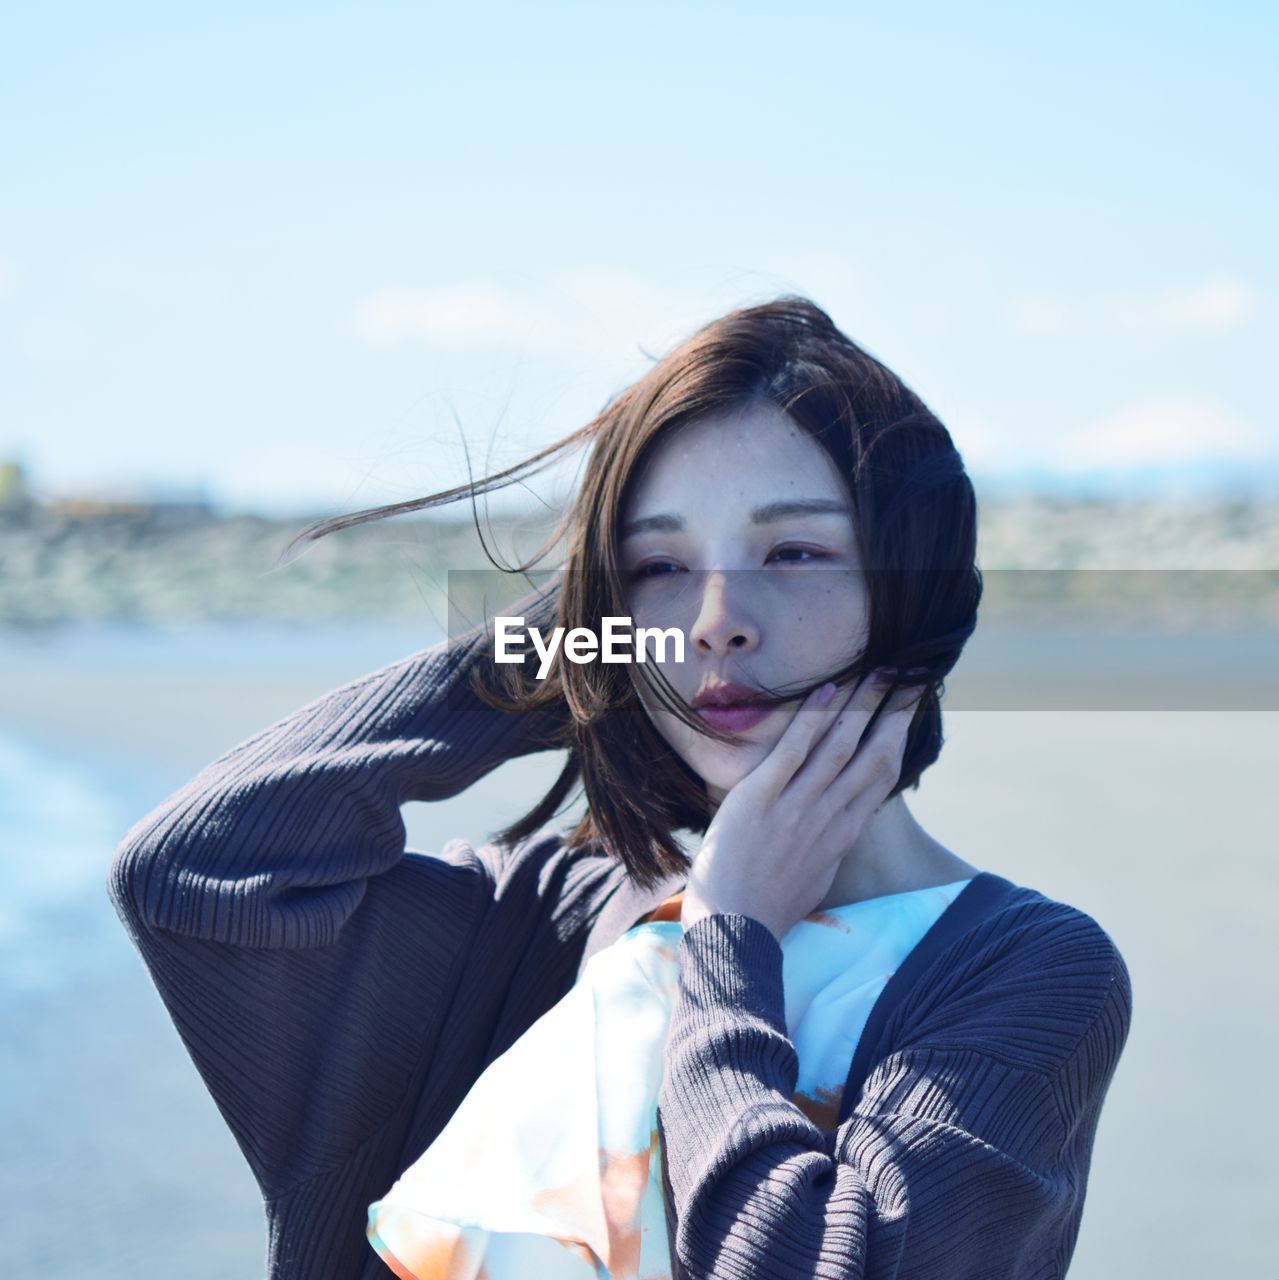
730	765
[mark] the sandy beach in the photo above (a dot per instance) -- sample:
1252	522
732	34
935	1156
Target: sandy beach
1158	823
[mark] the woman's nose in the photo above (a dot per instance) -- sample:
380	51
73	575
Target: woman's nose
724	621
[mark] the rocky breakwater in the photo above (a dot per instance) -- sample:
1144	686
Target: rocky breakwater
69	563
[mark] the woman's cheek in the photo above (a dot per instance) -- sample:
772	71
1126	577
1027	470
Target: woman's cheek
724	765
718	764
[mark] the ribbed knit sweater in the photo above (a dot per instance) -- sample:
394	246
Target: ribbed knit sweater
339	994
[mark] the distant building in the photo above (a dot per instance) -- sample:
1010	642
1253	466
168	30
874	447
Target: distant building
167	506
14	494
166	511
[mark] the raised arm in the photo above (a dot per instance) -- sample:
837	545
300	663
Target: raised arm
304	955
967	1153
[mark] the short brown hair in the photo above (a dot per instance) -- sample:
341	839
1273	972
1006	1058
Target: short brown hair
914	514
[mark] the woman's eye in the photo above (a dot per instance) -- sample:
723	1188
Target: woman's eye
802	551
665	568
646	570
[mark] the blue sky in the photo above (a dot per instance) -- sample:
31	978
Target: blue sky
289	259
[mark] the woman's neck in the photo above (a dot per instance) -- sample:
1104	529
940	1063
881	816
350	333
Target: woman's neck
893	854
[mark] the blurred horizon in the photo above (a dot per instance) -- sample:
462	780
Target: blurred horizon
1192	490
1200	485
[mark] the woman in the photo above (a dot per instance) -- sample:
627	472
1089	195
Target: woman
786	503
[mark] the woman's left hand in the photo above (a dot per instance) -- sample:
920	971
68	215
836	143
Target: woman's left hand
777	839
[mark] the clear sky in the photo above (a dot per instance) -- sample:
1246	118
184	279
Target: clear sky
288	256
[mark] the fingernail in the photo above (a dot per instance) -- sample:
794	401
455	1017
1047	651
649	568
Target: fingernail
884	675
825	693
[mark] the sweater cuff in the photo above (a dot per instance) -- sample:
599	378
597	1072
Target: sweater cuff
732	963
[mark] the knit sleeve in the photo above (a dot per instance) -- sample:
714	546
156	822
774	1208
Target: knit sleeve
304	954
964	1156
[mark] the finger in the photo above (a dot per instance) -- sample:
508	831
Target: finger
830	755
874	770
792	748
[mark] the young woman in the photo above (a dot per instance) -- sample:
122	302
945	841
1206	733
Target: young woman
862	1055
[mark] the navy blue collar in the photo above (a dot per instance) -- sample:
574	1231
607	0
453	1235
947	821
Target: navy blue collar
985	894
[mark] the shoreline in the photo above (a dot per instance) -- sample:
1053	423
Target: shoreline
149	565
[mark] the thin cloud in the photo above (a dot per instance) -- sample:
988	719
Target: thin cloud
598	313
1159	430
453	316
1162	429
1217	304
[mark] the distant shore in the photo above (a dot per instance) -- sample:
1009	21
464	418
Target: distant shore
186	563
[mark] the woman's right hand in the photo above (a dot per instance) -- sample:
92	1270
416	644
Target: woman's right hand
775	844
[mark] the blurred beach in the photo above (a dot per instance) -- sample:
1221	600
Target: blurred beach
264	266
1151	811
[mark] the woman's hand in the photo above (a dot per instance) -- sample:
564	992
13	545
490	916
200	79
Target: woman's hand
776	841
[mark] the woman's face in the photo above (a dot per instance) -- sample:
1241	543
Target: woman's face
738	531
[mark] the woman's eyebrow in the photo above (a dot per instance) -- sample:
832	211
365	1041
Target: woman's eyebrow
767	514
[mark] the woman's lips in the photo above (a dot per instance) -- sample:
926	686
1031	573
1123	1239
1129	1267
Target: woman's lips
737	718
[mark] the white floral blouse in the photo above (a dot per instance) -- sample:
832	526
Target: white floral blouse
551	1165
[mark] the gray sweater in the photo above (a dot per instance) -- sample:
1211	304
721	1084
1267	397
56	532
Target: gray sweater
340	994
